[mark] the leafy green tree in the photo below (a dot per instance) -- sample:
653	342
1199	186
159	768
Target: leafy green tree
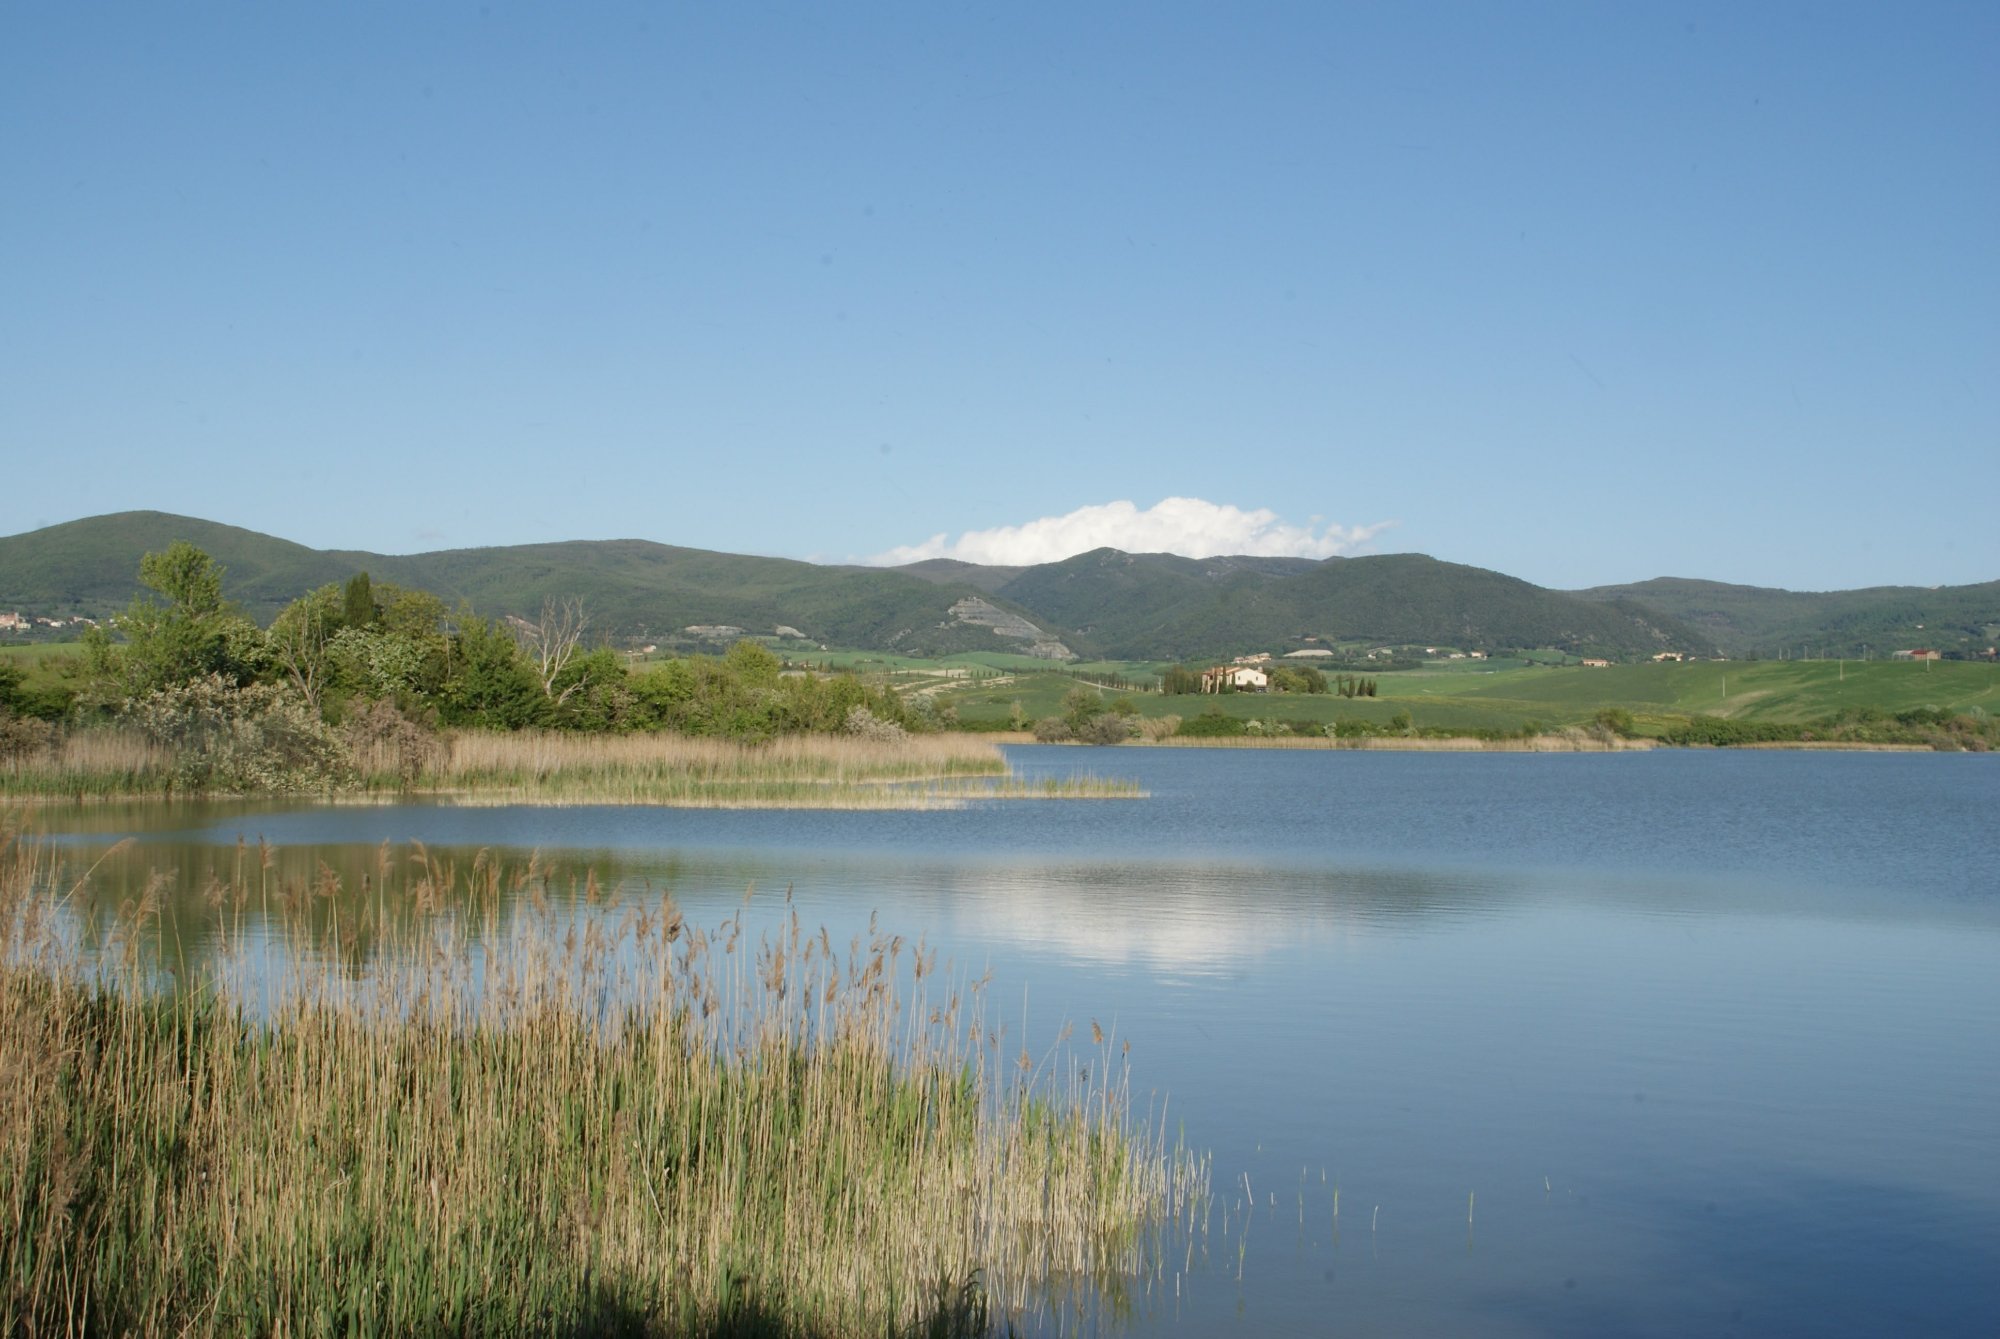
358	603
753	664
592	692
1081	706
409	613
182	631
489	684
1616	720
298	641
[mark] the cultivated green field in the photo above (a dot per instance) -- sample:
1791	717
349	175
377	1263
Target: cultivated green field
1510	697
37	653
1770	690
1503	695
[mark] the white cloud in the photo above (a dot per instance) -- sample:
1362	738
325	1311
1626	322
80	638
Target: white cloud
1184	525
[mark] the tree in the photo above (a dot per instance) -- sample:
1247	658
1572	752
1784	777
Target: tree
489	683
753	664
299	636
1081	706
551	642
185	633
189	578
358	604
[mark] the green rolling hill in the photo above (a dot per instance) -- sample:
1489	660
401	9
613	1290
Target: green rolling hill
1759	621
630	588
1129	606
1158	606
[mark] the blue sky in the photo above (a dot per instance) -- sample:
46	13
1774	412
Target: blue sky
1583	293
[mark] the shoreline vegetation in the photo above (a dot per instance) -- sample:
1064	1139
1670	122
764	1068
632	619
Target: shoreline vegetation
365	690
368	689
567	1116
550	767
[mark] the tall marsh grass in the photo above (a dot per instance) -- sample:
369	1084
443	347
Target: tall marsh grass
575	1120
82	764
545	767
796	770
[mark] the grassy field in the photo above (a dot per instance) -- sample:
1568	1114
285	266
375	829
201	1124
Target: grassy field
25	653
1465	696
1774	690
618	1123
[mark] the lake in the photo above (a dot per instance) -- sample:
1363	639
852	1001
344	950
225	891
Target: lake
1658	1043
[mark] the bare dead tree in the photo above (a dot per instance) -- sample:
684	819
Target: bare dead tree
552	641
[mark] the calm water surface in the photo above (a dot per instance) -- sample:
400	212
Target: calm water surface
1707	1042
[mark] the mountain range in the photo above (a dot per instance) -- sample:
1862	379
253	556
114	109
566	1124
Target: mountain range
1105	603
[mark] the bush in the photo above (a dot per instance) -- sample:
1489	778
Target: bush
1053	730
1615	720
1721	731
23	737
1110	728
1212	724
226	738
865	724
382	738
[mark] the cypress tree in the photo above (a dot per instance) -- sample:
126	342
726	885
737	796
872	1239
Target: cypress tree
359	611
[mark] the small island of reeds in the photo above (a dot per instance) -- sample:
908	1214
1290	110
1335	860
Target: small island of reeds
907	771
560	1118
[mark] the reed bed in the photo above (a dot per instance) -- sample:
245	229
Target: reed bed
1564	742
85	764
792	772
544	767
561	1120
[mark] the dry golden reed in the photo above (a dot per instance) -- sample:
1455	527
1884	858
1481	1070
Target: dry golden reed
533	1114
550	767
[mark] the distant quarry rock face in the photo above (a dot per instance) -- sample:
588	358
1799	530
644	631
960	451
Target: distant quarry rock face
983	614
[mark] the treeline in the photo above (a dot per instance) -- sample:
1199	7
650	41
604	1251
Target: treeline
354	664
1181	680
1929	727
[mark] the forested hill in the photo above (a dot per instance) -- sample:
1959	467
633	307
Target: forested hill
630	588
1159	606
1759	621
1102	603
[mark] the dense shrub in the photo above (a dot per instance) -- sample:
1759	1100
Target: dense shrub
384	739
1720	731
23	737
1212	724
226	738
1109	728
865	724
